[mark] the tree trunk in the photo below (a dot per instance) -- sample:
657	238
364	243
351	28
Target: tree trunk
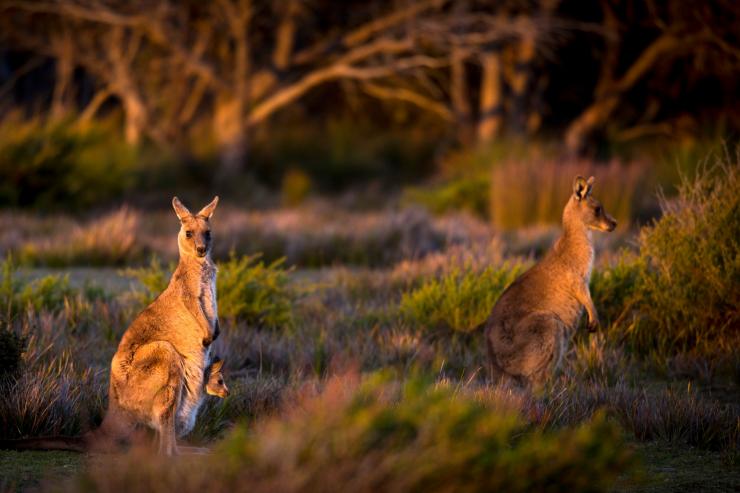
63	84
135	119
491	111
520	81
594	117
460	97
230	132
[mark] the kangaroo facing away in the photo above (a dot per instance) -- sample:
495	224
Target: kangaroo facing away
527	330
157	376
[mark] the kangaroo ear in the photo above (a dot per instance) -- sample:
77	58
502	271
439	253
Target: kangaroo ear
207	211
581	188
180	209
217	365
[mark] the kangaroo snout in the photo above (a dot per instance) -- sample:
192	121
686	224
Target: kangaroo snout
201	251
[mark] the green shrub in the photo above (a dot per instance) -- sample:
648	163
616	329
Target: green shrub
296	186
459	300
154	279
248	289
256	292
46	293
689	296
465	193
614	288
48	166
382	435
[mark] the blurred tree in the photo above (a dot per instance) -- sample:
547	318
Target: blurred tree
704	32
482	67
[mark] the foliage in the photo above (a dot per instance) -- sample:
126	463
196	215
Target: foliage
57	165
249	289
688	296
53	397
256	292
614	288
46	293
295	187
460	194
459	300
153	278
109	240
382	435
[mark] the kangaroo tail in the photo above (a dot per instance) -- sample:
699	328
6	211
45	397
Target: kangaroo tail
73	444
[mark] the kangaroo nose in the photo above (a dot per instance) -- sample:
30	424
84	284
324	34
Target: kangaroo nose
201	250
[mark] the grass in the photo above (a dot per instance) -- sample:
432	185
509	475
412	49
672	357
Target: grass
383	364
460	300
22	471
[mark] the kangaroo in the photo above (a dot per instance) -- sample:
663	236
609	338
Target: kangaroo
158	372
215	380
526	331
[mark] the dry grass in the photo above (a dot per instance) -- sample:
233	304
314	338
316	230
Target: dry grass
535	192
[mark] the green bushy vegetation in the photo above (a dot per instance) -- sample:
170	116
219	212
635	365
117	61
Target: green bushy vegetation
459	300
468	194
379	434
689	295
255	291
46	293
57	165
250	289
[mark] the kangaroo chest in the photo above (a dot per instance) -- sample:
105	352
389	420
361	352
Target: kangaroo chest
207	296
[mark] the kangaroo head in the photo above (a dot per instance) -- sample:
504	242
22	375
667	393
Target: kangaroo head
215	384
585	209
194	238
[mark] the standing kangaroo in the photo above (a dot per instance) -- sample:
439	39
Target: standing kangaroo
157	374
526	332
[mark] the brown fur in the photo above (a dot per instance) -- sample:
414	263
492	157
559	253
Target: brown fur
215	380
526	332
157	374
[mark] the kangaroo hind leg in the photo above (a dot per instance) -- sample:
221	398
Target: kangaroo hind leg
536	349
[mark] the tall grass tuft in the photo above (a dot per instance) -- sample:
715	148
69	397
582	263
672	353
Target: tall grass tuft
108	240
535	191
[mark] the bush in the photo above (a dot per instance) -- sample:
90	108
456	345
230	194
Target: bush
688	295
460	300
46	293
614	288
461	194
248	289
48	166
382	435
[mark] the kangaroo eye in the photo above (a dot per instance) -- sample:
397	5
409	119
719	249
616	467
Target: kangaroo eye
220	381
188	234
598	211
